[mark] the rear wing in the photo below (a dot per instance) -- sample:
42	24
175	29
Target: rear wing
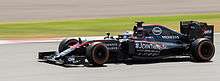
194	30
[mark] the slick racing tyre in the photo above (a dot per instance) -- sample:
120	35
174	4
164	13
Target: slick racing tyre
202	50
97	54
64	44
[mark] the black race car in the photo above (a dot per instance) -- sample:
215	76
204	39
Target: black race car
195	40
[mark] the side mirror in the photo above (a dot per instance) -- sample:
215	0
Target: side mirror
80	40
108	34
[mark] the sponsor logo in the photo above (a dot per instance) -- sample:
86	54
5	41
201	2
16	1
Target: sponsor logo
140	28
112	46
145	45
157	30
207	31
148	49
148	54
192	27
150	37
170	37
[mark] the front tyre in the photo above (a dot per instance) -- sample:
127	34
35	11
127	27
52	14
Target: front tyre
202	50
97	54
64	44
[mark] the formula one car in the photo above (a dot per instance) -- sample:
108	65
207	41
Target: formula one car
144	42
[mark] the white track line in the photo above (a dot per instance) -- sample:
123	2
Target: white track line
217	33
46	40
51	40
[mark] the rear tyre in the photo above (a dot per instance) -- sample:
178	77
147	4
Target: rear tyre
64	44
97	54
202	50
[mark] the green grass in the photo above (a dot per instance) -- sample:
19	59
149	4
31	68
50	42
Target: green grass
90	27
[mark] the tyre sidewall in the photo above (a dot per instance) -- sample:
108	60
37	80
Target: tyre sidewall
64	44
91	55
196	50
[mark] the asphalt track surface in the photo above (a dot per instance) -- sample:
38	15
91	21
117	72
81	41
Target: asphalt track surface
19	63
16	10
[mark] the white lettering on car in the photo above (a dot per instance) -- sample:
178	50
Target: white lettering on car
170	37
